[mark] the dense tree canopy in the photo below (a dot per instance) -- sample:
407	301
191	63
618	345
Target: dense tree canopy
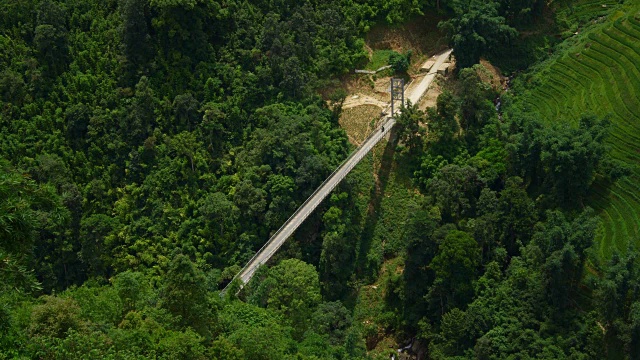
477	30
148	149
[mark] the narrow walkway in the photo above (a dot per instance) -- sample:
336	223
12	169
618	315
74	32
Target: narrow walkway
291	225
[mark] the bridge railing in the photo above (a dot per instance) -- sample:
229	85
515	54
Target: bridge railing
250	264
250	267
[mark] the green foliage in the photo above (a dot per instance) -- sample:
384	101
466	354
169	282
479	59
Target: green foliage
184	294
519	12
51	38
55	317
295	292
476	103
443	126
135	32
618	288
332	318
571	84
28	212
398	11
454	267
255	331
131	289
517	215
153	146
564	245
400	62
101	305
535	255
408	127
565	159
182	345
421	249
491	161
570	15
144	117
379	58
477	30
454	190
571	157
336	259
223	349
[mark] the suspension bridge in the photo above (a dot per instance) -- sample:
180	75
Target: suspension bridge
413	94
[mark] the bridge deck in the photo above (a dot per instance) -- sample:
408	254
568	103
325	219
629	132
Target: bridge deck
291	225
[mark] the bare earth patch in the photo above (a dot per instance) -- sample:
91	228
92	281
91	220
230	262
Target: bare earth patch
493	75
383	86
360	84
358	121
362	99
430	98
420	34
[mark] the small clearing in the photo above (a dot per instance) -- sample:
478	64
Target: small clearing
358	121
362	99
368	95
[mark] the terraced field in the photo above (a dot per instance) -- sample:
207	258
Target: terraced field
576	13
601	75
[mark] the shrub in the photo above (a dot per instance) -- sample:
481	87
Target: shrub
400	62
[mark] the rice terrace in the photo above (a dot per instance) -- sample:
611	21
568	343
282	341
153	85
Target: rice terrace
600	74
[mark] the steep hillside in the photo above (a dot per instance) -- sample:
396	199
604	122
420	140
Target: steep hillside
599	73
572	14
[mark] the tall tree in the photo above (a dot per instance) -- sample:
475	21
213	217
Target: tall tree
443	124
476	100
295	292
32	218
476	30
408	126
455	267
51	37
337	256
184	294
422	246
135	31
455	190
517	215
571	157
564	244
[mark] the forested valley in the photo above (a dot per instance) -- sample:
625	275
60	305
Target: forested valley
149	148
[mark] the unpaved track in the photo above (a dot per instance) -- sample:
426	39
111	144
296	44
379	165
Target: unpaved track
424	84
361	99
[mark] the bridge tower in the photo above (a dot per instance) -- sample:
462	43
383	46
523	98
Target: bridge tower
397	93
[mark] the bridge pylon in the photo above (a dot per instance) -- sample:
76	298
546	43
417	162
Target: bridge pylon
397	93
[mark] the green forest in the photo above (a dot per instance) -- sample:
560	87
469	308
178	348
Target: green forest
149	148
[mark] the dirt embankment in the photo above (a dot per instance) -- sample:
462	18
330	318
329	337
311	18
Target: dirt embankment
420	35
431	96
362	99
493	76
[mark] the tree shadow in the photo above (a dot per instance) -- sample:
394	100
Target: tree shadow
366	266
